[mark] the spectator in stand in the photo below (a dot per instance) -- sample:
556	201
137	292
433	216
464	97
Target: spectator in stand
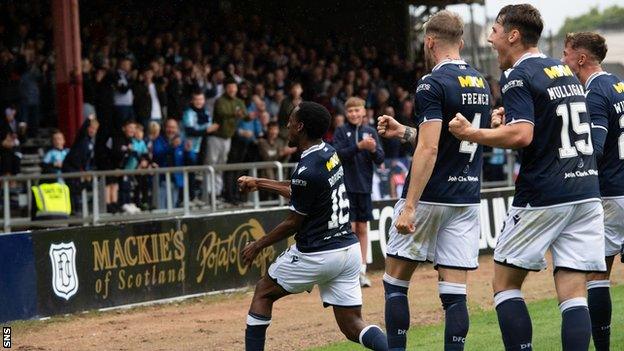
88	89
392	147
147	99
280	80
197	122
273	148
197	126
359	150
228	110
53	159
153	132
244	150
127	152
382	102
81	159
258	109
30	100
170	150
142	193
175	94
275	103
337	122
260	92
124	97
10	135
288	104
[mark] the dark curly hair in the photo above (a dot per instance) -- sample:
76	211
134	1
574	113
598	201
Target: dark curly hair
315	118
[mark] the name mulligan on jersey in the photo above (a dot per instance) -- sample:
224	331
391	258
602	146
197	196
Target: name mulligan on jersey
563	91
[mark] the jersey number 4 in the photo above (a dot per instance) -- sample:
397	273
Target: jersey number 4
340	208
466	147
573	113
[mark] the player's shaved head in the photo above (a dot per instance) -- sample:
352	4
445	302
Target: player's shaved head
446	26
594	43
524	18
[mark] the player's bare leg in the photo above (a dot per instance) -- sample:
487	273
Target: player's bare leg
513	315
576	322
361	231
396	283
352	325
259	317
599	302
452	290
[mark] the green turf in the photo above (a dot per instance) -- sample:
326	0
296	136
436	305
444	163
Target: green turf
485	335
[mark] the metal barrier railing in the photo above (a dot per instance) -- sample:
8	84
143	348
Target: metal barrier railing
91	212
93	200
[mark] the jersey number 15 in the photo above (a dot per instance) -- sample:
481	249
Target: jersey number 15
567	150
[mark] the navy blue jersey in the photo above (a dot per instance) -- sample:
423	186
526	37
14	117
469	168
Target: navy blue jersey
318	192
605	102
452	87
559	165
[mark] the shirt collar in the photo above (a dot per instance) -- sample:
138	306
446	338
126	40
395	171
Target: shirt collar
449	61
594	76
528	55
312	149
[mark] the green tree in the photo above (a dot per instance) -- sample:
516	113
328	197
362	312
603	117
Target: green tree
611	18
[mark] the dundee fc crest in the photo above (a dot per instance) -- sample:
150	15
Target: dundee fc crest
64	275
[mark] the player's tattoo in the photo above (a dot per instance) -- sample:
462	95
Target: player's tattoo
409	136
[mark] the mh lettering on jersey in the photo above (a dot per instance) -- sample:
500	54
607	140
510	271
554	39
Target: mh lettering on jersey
332	162
619	87
471	82
558	71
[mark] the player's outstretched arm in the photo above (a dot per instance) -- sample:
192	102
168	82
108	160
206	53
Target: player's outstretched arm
390	128
248	184
423	163
289	226
508	136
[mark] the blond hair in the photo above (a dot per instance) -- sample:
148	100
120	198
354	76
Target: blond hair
153	128
355	101
445	25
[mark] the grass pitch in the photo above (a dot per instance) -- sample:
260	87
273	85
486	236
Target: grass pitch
484	332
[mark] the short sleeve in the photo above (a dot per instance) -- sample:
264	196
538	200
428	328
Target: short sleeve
517	98
429	99
302	193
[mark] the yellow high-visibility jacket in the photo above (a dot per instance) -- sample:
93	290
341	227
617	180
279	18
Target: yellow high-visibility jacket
52	200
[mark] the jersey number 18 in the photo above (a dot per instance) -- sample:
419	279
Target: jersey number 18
340	208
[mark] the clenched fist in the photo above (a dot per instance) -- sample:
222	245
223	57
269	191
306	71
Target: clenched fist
247	184
498	117
461	127
405	222
388	127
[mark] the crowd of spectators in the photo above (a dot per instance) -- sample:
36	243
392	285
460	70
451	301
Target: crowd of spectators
181	90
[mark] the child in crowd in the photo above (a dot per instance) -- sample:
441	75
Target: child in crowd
53	159
142	193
